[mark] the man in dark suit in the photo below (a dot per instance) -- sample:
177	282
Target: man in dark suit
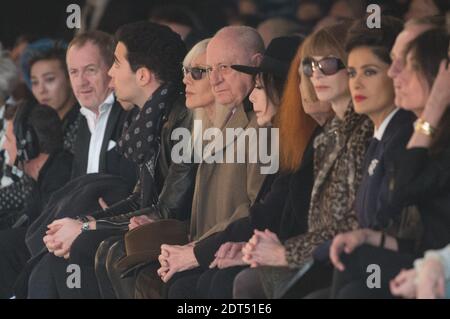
89	57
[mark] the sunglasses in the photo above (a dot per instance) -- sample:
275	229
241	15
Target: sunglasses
196	72
328	66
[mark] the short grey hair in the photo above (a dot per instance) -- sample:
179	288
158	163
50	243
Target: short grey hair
8	75
196	50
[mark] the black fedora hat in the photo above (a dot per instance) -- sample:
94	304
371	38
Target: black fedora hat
277	58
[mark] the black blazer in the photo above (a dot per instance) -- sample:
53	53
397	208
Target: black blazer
53	176
424	180
283	210
371	203
111	162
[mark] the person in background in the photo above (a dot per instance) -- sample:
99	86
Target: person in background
8	80
43	159
181	20
50	85
429	279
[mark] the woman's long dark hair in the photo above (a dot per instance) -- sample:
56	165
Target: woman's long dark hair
429	49
273	85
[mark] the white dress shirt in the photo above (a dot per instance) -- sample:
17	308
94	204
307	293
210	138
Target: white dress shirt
97	126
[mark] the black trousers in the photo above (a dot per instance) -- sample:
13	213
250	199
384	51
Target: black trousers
13	257
281	282
318	277
183	284
49	278
218	283
357	278
203	284
247	285
150	286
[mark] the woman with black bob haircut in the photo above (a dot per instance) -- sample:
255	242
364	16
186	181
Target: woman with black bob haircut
373	94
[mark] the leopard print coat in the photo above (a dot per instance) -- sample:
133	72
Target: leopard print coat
338	168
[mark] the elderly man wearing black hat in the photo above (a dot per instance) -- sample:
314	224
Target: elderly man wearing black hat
270	75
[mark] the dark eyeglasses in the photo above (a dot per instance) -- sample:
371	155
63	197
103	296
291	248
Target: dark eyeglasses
196	72
328	66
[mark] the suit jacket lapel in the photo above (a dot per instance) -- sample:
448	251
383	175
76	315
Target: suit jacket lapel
83	140
402	117
109	131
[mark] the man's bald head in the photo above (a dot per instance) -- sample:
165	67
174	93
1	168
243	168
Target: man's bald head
246	38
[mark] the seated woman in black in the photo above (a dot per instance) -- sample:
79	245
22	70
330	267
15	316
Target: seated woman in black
373	94
422	178
34	139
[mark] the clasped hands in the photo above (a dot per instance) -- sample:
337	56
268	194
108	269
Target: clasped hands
62	233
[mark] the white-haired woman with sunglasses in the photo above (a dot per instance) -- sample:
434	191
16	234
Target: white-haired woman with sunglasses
338	161
199	95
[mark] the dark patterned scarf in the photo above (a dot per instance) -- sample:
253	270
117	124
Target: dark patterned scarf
141	138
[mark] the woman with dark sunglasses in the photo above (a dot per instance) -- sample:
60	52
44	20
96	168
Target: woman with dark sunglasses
199	96
338	158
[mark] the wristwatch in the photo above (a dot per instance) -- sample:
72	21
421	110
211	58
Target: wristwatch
424	127
85	227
